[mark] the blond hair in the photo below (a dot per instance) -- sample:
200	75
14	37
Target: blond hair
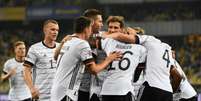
119	19
17	43
139	30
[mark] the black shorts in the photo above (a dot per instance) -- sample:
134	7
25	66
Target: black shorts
190	99
148	93
66	98
127	97
28	99
83	96
94	97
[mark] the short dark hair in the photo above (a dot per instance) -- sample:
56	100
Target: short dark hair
119	19
81	23
49	21
91	13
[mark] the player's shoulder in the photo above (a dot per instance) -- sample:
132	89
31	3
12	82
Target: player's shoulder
79	42
167	46
148	38
36	45
57	44
138	46
9	61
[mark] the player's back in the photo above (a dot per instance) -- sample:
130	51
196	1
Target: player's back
120	73
159	61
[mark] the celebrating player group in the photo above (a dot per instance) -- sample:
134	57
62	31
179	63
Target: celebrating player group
121	63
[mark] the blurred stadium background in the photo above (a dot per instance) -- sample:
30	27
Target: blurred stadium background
177	22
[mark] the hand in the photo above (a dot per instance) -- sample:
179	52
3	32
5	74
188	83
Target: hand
34	93
115	56
67	38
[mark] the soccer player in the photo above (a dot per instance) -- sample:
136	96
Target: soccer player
159	67
75	55
13	70
40	59
96	80
186	91
117	85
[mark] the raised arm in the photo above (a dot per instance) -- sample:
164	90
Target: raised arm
129	36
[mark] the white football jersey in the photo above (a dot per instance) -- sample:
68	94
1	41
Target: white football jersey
41	58
120	73
186	90
70	69
18	88
158	63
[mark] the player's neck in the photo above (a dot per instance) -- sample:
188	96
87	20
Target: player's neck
49	43
81	35
19	58
95	31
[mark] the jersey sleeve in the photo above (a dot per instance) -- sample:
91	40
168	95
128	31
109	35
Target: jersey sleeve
147	38
85	51
6	67
31	56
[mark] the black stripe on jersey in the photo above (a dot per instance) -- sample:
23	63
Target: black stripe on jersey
48	46
28	63
99	44
4	72
34	75
74	75
88	61
138	70
141	65
137	40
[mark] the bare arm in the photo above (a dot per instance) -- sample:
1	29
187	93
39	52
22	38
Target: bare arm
8	75
176	78
28	80
27	76
96	68
129	37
